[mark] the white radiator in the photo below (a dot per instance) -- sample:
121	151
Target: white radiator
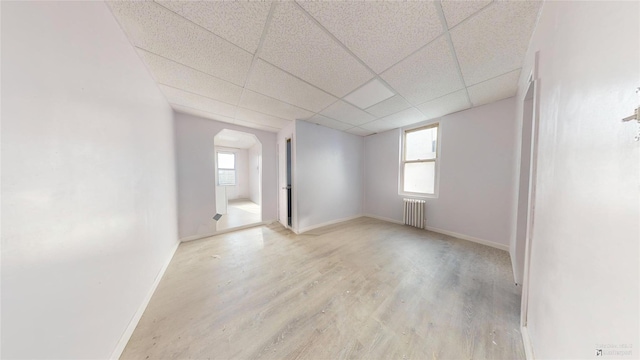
414	213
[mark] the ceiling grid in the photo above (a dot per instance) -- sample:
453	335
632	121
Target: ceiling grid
264	64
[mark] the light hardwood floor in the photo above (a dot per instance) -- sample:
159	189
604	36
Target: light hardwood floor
239	212
363	289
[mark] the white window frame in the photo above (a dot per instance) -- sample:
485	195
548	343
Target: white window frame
435	160
235	175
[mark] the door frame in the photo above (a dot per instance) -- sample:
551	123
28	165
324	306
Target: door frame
534	81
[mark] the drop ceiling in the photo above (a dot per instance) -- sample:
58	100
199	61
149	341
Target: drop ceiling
356	66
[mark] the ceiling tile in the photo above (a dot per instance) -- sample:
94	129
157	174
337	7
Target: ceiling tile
325	121
495	89
202	114
403	118
268	79
380	33
445	105
369	94
347	113
239	22
455	11
181	97
176	75
389	106
495	40
427	74
359	131
156	29
256	126
264	104
298	45
260	118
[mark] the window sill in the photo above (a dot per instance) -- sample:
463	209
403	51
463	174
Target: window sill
418	195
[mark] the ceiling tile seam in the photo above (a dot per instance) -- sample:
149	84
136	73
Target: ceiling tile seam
224	102
330	118
376	76
361	86
134	47
473	15
382	117
299	78
185	65
413	53
443	20
497	76
256	54
202	27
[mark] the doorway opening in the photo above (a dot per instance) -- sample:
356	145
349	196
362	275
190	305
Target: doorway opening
238	179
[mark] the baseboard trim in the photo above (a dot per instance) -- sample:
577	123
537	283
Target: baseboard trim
243	227
309	228
384	219
124	339
526	341
470	238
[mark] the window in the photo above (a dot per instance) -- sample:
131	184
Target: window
226	169
419	157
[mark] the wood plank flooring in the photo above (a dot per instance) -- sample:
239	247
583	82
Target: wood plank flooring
363	289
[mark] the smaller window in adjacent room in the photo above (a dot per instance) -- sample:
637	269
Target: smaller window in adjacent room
226	169
419	158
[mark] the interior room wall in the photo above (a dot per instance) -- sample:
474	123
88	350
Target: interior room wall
475	182
241	189
255	154
584	253
196	173
329	175
88	181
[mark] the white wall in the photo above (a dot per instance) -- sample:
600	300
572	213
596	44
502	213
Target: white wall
196	172
475	183
88	181
255	157
584	261
329	175
241	189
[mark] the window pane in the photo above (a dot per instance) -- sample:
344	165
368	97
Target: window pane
226	161
226	177
422	144
420	177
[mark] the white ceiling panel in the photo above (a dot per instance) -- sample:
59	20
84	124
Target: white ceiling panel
181	97
455	11
176	75
269	80
369	94
256	126
235	139
264	104
380	33
389	106
359	131
203	114
427	74
494	41
445	105
154	28
402	118
239	22
298	45
495	89
325	121
347	113
260	118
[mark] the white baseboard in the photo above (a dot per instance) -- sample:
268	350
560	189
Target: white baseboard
124	339
526	341
308	228
384	219
202	236
470	238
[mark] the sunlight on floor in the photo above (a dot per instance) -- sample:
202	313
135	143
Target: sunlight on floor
239	212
